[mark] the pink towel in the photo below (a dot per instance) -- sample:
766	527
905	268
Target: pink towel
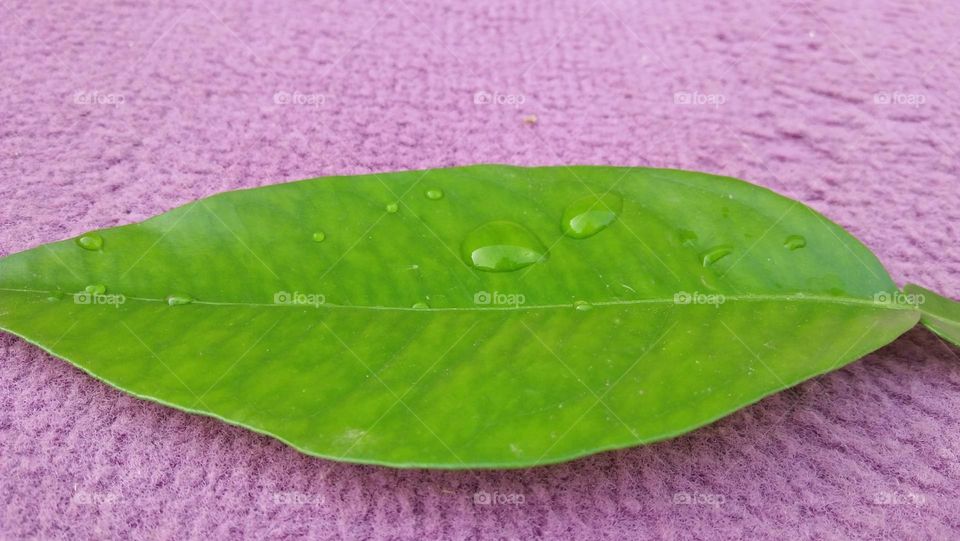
113	111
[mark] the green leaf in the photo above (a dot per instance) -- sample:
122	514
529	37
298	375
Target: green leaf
940	314
484	316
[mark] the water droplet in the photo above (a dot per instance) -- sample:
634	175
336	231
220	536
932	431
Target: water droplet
175	300
421	306
590	215
55	296
96	289
319	236
687	237
583	306
794	242
716	254
502	247
392	208
709	280
434	194
90	241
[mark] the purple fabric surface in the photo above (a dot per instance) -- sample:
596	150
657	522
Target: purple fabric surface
116	111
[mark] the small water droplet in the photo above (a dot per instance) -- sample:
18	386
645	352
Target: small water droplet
687	237
90	241
434	194
590	215
96	289
319	236
421	306
583	306
794	242
716	254
55	296
709	280
502	247
392	208
176	300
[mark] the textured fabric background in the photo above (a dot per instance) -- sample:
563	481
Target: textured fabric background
115	111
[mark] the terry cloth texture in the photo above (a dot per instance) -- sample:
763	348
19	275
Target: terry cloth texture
114	111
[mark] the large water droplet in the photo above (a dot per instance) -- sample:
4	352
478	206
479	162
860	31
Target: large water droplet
319	236
590	215
434	194
502	247
392	208
716	254
96	289
90	241
421	306
794	242
175	300
583	306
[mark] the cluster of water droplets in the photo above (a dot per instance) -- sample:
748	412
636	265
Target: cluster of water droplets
506	246
502	246
93	242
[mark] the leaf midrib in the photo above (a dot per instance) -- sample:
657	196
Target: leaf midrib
665	301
